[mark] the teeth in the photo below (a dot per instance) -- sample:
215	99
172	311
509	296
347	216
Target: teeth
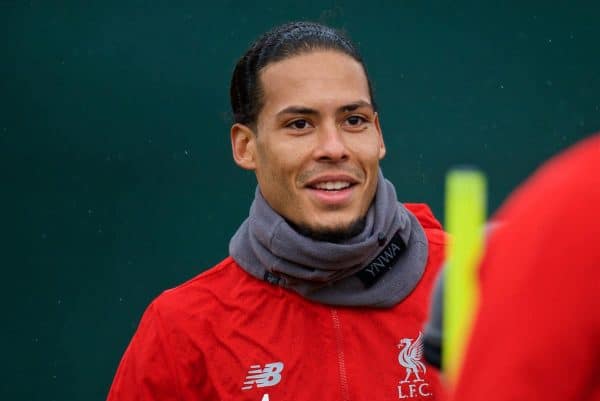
332	185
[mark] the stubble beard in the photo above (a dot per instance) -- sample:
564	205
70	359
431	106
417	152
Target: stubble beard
331	234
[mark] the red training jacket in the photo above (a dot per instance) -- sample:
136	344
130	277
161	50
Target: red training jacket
225	335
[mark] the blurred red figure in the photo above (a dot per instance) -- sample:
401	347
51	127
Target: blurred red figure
537	332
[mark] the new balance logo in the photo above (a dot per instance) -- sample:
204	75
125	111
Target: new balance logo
268	376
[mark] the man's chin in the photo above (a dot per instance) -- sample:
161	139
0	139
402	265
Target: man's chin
334	233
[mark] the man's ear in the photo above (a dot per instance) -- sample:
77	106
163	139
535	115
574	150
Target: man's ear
243	146
381	142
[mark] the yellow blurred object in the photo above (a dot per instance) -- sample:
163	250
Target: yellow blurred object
465	218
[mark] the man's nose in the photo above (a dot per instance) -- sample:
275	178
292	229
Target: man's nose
331	145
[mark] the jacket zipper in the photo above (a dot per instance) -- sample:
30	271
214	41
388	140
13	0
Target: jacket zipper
337	327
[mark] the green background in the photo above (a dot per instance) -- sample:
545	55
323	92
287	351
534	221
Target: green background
117	179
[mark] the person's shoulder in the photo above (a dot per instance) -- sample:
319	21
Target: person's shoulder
549	221
431	225
577	166
423	213
584	155
200	291
561	185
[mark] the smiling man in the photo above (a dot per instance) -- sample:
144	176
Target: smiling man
316	144
326	286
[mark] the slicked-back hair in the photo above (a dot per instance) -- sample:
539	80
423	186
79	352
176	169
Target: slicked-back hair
280	43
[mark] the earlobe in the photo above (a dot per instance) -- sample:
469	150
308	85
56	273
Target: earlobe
380	135
243	146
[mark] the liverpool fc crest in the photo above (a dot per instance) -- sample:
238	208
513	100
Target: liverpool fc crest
410	357
414	384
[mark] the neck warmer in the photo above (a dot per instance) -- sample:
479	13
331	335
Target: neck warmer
378	267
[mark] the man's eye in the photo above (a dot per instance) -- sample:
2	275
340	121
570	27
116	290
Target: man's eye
299	124
356	120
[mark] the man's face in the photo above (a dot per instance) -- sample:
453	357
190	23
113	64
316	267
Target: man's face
318	142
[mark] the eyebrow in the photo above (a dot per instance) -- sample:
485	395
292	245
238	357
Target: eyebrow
307	110
355	105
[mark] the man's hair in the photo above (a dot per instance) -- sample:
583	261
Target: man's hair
281	42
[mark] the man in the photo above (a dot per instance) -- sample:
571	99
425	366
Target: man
326	287
537	331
